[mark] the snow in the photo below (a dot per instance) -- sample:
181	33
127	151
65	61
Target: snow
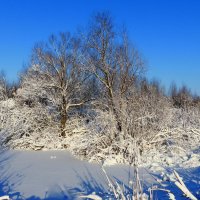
49	173
59	175
6	197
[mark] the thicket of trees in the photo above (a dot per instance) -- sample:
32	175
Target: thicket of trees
88	93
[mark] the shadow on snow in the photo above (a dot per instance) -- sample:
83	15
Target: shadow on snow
88	184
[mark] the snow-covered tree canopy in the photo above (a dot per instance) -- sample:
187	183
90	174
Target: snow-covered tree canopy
56	76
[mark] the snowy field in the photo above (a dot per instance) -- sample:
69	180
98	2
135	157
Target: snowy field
58	175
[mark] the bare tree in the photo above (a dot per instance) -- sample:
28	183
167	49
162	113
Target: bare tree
113	61
56	77
3	87
181	97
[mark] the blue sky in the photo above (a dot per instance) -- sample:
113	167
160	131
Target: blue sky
167	32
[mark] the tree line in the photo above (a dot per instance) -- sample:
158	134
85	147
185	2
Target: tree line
74	75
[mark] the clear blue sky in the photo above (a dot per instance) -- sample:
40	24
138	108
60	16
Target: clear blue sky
167	32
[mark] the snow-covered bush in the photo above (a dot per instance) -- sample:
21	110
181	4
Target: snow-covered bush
142	117
148	120
25	127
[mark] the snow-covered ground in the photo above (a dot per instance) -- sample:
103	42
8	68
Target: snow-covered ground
59	175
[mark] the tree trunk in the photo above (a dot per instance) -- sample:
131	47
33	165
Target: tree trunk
63	116
119	124
114	110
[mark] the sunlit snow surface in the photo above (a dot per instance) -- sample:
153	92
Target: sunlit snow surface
58	175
